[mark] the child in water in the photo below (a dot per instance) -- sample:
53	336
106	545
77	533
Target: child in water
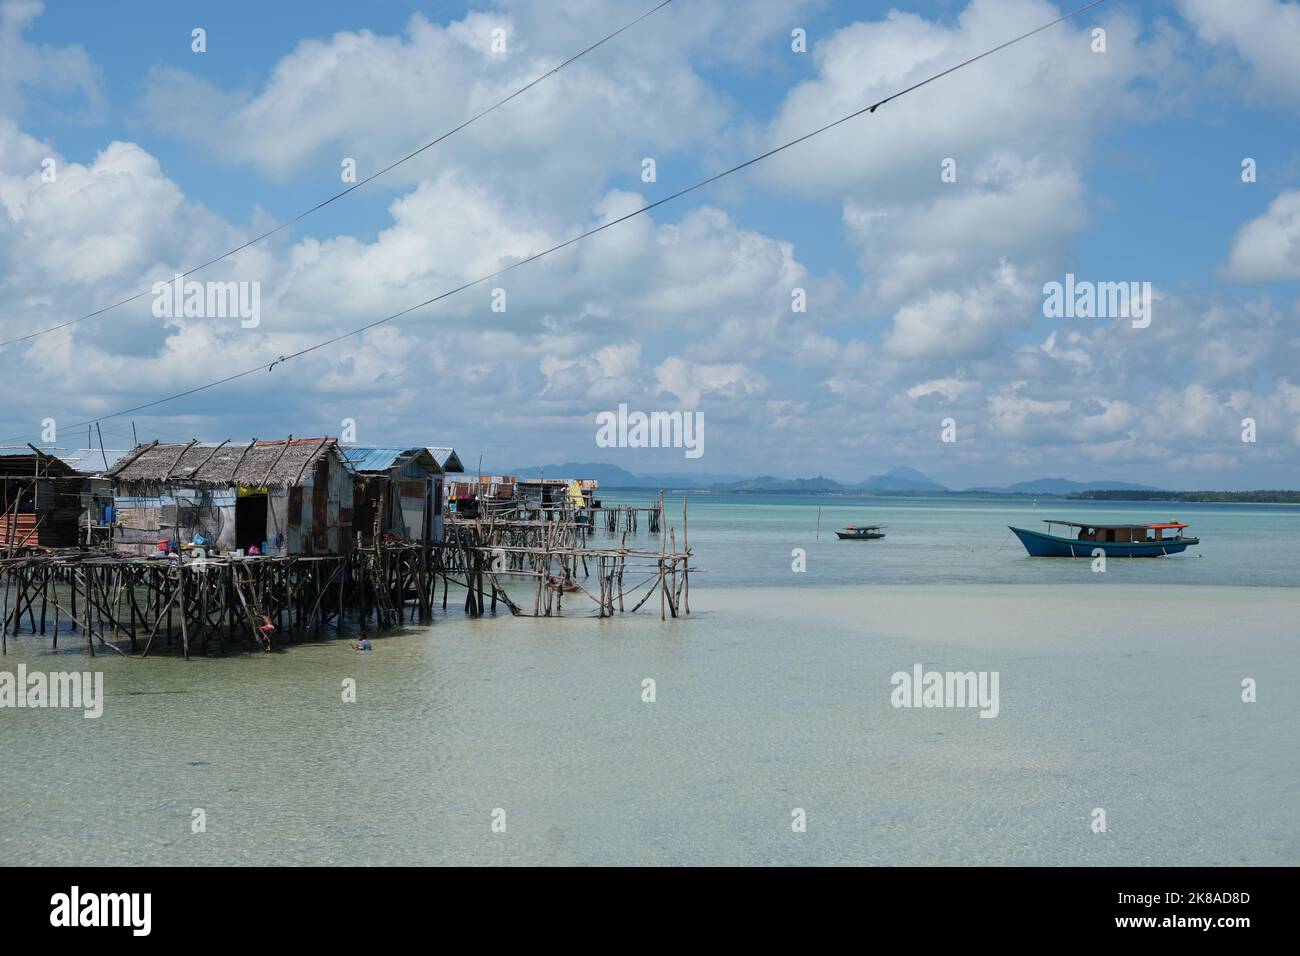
265	631
363	645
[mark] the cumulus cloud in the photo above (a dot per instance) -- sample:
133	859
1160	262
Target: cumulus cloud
959	322
951	262
549	350
610	374
1026	211
951	389
1016	415
375	97
1268	247
687	381
936	314
107	218
52	76
1035	99
1265	34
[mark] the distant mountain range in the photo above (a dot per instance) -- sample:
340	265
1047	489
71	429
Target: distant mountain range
1063	486
612	476
896	481
901	479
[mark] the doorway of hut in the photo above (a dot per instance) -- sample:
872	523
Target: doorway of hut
250	521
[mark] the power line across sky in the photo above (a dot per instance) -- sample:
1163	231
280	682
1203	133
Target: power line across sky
352	188
867	109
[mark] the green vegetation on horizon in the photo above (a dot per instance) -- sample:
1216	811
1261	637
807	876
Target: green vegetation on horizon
1256	497
1227	497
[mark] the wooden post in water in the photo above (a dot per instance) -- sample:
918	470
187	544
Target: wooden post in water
686	561
185	634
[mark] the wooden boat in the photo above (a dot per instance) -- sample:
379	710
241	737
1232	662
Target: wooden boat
1113	540
865	532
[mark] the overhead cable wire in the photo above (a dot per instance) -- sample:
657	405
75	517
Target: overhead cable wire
355	186
588	233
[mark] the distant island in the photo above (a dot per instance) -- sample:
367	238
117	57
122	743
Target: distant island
1241	497
896	482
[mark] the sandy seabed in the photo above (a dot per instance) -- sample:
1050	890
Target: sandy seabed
765	702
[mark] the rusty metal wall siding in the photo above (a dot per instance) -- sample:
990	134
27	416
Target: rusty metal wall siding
319	501
15	531
342	490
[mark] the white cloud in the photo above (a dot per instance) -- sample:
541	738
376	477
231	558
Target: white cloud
374	98
687	381
1264	33
954	262
1070	352
688	307
1024	211
1016	415
49	75
1039	98
610	374
952	389
120	215
1268	247
957	322
109	218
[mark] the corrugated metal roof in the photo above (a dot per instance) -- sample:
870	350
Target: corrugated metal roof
446	458
89	461
374	458
487	486
50	462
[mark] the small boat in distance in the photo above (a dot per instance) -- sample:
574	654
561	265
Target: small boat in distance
865	532
1114	540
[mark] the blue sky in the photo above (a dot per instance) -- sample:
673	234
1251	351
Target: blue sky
925	297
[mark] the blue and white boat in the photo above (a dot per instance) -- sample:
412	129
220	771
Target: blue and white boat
1113	540
861	532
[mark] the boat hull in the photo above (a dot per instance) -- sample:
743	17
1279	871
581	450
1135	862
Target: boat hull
1041	545
849	536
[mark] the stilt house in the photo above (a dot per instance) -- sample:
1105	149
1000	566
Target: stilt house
292	497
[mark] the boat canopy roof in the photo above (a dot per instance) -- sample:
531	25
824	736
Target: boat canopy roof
1093	524
863	527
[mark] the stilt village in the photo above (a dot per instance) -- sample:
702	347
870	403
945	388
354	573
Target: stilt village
203	548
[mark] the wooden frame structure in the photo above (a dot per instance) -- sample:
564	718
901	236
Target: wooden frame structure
214	604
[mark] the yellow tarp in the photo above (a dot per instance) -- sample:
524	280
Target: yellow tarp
575	495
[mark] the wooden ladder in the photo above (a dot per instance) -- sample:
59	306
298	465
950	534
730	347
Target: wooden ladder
385	613
251	607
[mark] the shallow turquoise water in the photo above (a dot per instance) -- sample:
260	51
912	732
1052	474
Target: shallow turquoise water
747	540
1118	690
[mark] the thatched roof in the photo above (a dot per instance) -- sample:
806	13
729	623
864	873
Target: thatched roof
276	464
